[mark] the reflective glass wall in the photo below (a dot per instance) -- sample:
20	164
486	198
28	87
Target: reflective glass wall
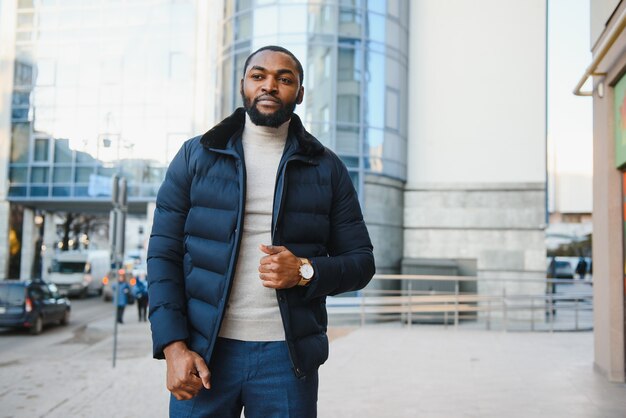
100	87
354	55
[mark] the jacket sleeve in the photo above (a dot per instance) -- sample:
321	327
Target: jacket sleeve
166	285
349	265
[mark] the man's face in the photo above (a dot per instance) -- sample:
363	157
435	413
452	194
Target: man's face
270	88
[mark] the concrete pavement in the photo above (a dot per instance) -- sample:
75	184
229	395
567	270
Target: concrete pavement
378	371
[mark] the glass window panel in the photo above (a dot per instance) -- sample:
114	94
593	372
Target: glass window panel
228	31
81	191
350	22
393	33
375	90
179	66
23	74
62	151
240	61
106	171
227	86
19	114
17	191
322	132
25	20
173	144
82	174
20	98
18	175
392	109
83	157
347	140
293	18
41	149
266	21
39	175
348	109
349	64
322	19
39	191
394	148
61	191
375	29
243	26
377	6
20	142
373	144
393	8
242	5
62	175
350	161
25	4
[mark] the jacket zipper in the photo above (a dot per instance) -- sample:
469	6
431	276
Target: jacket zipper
282	305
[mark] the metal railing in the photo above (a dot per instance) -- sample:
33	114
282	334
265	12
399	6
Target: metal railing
493	303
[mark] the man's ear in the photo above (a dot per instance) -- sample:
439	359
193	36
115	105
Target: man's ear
241	86
300	95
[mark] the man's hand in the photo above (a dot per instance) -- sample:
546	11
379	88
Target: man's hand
186	371
279	269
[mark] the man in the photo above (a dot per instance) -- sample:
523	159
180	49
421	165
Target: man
255	224
123	290
140	291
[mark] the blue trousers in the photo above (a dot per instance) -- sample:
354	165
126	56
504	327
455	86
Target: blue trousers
256	377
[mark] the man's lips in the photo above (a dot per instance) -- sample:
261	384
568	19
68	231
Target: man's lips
267	100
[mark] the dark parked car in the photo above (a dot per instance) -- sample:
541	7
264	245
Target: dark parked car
32	304
564	270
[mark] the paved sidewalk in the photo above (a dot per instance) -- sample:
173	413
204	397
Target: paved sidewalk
378	371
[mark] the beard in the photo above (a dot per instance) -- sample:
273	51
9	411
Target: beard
273	120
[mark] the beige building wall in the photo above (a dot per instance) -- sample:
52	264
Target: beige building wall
477	138
608	251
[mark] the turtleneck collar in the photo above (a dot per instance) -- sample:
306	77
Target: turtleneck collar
264	134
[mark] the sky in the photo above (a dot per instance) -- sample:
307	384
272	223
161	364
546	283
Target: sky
570	130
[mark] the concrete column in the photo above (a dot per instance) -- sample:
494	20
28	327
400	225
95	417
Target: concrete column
608	249
49	241
4	238
29	237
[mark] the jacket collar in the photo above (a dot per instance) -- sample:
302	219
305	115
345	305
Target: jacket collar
220	134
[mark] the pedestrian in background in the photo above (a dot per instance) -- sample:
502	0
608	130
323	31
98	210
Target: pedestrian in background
581	268
140	291
123	289
255	224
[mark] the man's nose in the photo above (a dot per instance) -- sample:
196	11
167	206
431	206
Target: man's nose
269	85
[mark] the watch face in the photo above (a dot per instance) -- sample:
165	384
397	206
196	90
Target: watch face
306	271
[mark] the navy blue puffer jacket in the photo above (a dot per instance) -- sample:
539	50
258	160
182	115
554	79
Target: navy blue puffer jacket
197	231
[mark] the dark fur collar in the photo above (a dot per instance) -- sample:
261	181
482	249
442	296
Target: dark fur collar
220	134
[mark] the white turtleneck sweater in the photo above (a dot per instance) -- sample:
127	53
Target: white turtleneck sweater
252	312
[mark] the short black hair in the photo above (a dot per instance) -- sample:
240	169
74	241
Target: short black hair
276	49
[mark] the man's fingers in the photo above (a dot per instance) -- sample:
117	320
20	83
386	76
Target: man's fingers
269	268
203	372
271	249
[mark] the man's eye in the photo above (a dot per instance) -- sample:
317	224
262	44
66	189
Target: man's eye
256	76
285	80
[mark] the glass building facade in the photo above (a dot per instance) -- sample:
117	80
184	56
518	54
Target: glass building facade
100	87
355	57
